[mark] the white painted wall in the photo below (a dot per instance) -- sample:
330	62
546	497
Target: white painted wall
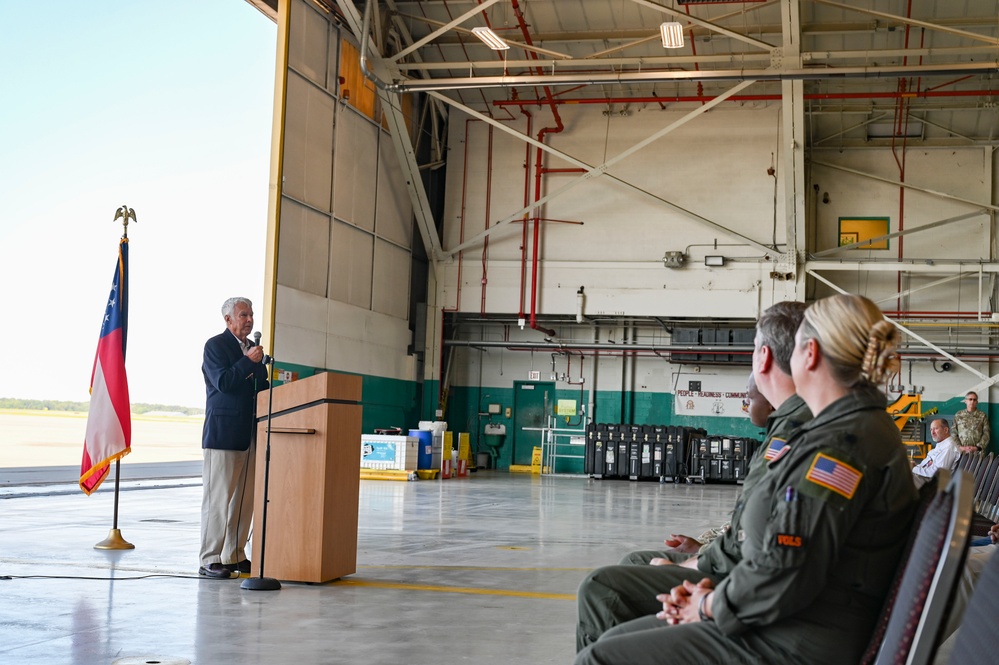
716	167
964	173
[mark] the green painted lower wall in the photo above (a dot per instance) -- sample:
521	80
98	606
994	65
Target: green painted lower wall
398	403
465	404
385	402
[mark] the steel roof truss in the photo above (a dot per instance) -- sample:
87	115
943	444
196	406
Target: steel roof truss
478	9
595	171
910	333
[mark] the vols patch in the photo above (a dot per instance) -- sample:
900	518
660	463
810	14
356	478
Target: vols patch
789	540
776	449
833	474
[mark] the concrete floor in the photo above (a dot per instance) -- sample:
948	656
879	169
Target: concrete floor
480	570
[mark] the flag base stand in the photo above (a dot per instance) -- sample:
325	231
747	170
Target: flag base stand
114	541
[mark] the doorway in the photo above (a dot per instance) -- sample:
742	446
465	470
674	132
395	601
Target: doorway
532	402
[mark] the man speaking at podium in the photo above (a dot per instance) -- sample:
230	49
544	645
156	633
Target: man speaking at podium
234	374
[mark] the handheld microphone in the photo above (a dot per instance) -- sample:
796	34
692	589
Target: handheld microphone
256	342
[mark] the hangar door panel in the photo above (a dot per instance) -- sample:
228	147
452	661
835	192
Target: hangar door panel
312	44
351	255
355	177
341	220
390	291
308	143
304	248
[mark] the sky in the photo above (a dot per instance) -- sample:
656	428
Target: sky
165	107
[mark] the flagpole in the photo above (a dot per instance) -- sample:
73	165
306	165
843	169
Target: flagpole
115	541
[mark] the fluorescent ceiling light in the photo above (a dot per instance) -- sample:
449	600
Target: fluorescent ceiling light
672	33
491	39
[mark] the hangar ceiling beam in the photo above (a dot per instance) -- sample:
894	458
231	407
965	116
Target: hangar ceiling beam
791	145
601	170
933	284
911	21
403	29
986	380
399	84
714	27
899	183
921	266
909	231
443	29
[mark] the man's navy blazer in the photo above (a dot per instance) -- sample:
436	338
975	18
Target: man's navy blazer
232	381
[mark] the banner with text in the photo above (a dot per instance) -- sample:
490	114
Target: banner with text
706	403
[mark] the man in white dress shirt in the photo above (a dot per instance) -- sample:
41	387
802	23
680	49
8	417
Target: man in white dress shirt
943	456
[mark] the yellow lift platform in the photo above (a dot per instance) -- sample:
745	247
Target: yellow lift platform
907	412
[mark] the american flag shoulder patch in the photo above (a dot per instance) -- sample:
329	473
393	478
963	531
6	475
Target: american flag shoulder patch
775	449
833	474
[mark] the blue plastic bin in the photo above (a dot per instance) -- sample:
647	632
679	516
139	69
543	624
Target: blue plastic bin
425	454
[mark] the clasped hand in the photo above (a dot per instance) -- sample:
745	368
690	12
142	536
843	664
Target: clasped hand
680	604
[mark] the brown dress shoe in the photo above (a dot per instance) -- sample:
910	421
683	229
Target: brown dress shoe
215	571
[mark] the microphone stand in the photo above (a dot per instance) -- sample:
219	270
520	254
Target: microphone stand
262	583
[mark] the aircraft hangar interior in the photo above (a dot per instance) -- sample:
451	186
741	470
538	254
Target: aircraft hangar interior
553	225
565	216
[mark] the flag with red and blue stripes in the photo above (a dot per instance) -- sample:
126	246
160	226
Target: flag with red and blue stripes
109	422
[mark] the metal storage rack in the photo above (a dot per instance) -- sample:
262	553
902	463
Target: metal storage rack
561	443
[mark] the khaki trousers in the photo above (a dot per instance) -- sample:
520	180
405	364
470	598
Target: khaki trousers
226	504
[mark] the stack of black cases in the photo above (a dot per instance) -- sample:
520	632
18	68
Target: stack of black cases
665	453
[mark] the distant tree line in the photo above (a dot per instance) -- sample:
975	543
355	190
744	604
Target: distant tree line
58	405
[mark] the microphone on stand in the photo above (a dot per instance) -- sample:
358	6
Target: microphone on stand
256	342
262	583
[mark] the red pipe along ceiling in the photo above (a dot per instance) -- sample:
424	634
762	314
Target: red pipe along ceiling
539	163
751	98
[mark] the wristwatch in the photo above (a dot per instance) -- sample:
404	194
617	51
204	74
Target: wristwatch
700	609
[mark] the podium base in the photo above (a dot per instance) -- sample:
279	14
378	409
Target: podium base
260	584
114	541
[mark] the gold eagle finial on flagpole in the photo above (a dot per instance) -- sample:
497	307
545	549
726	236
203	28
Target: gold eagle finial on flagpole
124	213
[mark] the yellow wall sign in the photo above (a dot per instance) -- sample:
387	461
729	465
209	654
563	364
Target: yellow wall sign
566	407
858	229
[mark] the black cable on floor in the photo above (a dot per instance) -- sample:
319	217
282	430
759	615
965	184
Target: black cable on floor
110	579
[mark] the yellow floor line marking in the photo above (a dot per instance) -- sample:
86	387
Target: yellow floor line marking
457	589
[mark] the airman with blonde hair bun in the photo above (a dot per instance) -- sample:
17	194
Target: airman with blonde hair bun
855	338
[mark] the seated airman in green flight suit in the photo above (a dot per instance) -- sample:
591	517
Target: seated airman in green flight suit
821	531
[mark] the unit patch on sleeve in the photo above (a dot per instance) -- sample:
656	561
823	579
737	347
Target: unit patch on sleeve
834	474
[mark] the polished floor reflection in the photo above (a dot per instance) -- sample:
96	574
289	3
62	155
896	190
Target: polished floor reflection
480	570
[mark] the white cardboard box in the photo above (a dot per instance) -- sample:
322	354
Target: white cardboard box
384	451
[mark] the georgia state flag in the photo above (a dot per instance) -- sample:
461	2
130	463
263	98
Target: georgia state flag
109	422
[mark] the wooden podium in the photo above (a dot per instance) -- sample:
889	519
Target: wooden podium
314	479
